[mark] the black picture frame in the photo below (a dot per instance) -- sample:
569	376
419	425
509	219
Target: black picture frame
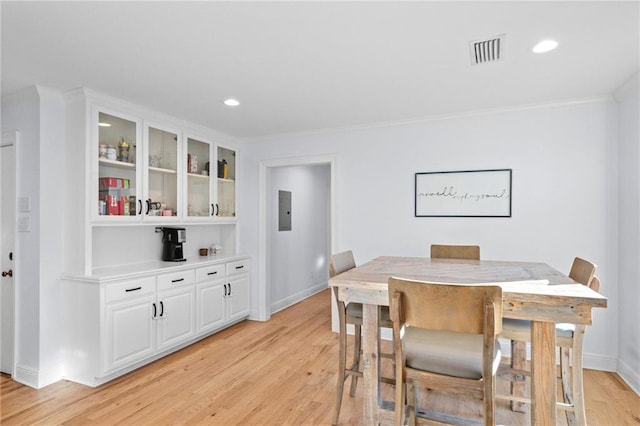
466	193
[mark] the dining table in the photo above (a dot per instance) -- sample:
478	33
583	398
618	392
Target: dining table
530	290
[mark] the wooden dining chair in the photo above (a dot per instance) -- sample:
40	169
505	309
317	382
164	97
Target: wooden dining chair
569	340
351	314
445	338
440	251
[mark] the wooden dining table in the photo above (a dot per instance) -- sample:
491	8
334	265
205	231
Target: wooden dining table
531	291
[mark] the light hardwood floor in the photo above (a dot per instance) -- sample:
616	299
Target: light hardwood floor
281	372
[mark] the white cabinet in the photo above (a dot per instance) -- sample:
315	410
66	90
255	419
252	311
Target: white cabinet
223	292
211	289
143	171
226	183
199	190
142	319
237	289
117	176
175	318
130	329
162	170
124	321
237	299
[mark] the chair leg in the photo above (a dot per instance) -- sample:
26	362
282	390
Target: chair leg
400	403
357	348
342	364
565	375
489	401
567	388
412	404
578	389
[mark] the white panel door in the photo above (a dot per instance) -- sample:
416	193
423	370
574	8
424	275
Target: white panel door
176	316
7	250
130	331
210	305
238	297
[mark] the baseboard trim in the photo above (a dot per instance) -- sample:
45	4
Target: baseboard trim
598	362
297	297
37	379
631	377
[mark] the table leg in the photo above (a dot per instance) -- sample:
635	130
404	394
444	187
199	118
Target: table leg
371	363
543	369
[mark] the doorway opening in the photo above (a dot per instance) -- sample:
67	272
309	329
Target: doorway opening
8	148
284	259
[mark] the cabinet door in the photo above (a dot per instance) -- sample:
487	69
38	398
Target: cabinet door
226	183
130	331
210	311
199	191
176	316
237	298
162	168
117	175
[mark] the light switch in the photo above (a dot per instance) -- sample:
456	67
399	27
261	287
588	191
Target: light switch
24	204
24	224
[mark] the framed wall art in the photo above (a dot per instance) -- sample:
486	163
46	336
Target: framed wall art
470	193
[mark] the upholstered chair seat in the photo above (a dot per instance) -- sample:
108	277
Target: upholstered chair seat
443	352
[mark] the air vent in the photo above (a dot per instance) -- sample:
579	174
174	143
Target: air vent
485	51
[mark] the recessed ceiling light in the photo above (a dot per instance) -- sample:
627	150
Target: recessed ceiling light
104	124
231	102
545	46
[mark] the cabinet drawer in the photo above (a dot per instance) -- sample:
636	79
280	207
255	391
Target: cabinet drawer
176	279
130	289
210	272
238	267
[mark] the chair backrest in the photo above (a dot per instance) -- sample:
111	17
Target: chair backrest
440	251
595	284
448	307
341	262
583	272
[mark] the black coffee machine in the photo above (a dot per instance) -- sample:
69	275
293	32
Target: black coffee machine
172	239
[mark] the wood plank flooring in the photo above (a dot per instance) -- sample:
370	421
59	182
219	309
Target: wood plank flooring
280	372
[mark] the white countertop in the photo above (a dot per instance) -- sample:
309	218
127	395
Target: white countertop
134	270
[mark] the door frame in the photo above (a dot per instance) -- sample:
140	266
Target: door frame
8	139
264	284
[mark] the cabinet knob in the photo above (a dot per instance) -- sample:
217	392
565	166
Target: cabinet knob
8	273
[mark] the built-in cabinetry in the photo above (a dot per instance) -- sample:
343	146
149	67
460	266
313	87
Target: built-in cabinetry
121	322
223	294
151	172
132	168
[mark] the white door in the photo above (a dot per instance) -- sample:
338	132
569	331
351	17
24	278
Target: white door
238	297
176	319
210	308
7	251
131	331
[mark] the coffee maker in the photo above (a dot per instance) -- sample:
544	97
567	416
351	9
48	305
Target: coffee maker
172	239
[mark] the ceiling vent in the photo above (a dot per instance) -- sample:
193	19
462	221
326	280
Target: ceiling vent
485	51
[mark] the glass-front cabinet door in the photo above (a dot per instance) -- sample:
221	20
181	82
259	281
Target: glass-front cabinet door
199	197
118	188
162	171
226	183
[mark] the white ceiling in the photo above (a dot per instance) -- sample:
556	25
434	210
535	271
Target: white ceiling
305	66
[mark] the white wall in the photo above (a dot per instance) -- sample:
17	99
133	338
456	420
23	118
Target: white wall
298	258
39	116
629	224
565	198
